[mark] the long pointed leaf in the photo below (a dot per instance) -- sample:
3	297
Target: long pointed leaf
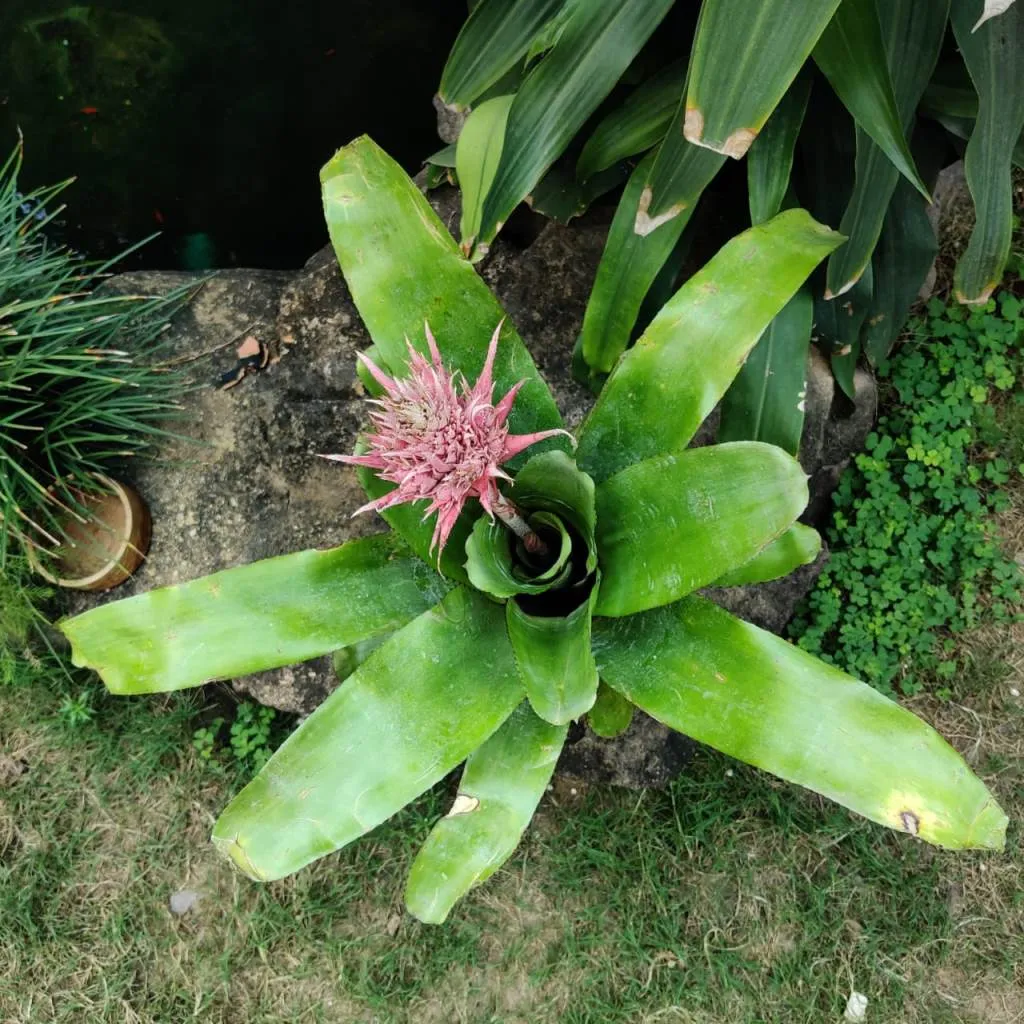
695	346
745	57
767	400
275	612
750	694
596	45
639	123
851	53
417	707
912	33
501	786
902	259
630	262
994	55
496	34
670	525
770	161
477	154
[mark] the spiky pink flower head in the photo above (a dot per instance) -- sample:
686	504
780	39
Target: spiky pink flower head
439	439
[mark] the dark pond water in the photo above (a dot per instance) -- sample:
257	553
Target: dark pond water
208	120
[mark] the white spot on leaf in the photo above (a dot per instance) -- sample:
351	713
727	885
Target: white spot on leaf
464	804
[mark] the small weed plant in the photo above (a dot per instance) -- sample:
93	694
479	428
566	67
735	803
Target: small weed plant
250	742
914	559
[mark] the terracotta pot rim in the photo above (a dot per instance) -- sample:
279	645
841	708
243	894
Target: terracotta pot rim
130	554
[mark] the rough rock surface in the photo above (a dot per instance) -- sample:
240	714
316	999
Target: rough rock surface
251	487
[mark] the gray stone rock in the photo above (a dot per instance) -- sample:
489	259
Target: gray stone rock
248	485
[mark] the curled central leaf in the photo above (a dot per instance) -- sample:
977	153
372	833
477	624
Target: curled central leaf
441	440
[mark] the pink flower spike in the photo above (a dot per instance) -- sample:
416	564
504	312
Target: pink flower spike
440	440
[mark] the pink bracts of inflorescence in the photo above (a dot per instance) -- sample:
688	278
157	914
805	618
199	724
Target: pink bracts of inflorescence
439	439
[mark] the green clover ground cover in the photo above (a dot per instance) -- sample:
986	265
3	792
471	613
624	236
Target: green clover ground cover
914	560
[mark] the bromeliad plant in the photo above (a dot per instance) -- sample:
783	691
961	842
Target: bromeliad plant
540	584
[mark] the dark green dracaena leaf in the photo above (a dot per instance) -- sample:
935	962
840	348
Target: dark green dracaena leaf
749	693
770	161
595	46
495	36
695	346
851	53
501	786
837	327
258	616
639	123
912	34
767	400
745	57
994	54
631	262
375	744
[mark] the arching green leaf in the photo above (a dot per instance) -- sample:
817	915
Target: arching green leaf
275	612
673	524
501	786
377	742
695	346
748	693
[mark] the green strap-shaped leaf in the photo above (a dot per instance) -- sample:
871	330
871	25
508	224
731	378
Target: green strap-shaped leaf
851	53
554	658
403	268
476	158
638	124
912	33
994	55
744	58
677	176
269	613
669	525
611	714
416	708
496	34
694	347
631	262
799	545
750	694
837	328
905	252
501	786
561	197
596	45
770	161
767	400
